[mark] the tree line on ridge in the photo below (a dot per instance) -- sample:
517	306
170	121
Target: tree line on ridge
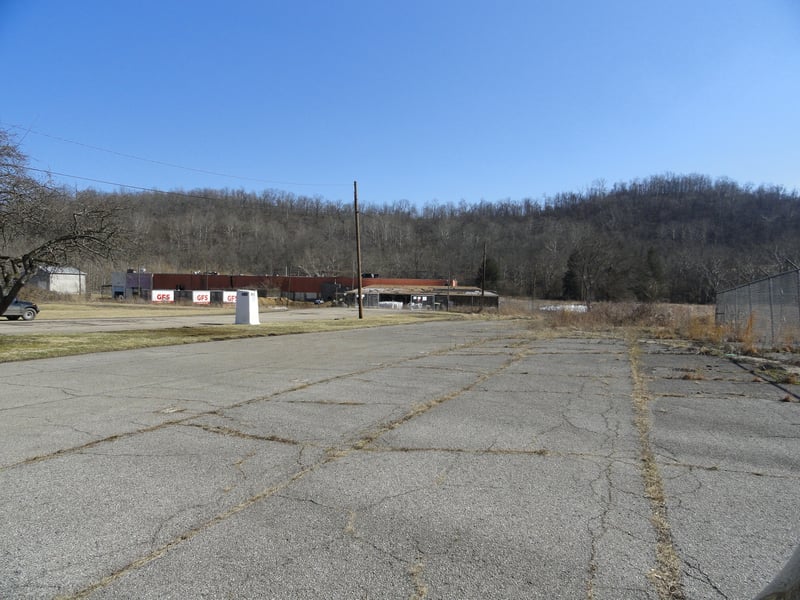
677	238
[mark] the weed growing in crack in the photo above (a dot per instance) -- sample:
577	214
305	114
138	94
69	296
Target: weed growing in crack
666	576
420	589
694	376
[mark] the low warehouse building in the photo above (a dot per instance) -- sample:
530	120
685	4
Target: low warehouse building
170	287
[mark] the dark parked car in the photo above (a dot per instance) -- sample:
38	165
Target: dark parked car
21	309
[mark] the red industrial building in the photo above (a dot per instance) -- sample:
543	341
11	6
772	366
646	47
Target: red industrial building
169	287
213	288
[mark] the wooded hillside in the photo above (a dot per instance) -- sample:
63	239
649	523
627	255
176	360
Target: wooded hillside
669	237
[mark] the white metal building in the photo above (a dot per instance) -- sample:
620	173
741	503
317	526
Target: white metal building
63	280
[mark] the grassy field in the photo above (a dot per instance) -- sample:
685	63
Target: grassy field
110	310
48	345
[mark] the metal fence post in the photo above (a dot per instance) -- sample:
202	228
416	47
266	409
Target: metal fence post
797	298
771	315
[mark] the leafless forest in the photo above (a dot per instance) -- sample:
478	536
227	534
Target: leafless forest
670	237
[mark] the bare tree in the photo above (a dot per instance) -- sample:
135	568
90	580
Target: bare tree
44	225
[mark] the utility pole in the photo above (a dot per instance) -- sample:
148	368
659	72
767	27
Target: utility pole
483	278
358	251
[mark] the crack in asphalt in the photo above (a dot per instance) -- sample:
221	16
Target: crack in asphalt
691	467
228	431
219	411
691	568
332	455
665	578
595	533
92	444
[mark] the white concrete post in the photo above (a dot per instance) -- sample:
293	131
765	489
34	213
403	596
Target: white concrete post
247	307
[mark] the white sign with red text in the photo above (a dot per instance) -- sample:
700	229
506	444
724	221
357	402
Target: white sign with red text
163	296
229	297
201	297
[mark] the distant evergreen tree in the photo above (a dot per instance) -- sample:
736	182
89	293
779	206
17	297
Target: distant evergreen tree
571	287
648	283
488	279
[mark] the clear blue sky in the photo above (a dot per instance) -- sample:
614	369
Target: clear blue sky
418	100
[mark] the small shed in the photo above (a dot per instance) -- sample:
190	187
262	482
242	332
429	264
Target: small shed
62	280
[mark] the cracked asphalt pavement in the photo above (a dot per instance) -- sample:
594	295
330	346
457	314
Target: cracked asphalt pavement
463	459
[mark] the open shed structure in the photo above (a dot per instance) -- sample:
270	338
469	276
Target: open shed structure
426	298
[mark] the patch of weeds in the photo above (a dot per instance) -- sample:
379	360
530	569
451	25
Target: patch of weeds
747	339
666	575
704	329
695	375
420	588
777	374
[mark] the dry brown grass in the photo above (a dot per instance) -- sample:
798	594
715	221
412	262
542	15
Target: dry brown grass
695	323
747	339
33	346
702	328
111	310
64	307
666	576
659	319
517	307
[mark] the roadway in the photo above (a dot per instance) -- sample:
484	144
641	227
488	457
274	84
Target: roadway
87	325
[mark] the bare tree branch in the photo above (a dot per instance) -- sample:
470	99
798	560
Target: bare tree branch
43	225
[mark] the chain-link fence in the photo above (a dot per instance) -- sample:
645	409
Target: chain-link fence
765	312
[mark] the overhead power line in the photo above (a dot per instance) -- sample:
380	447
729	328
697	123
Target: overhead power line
167	164
123	185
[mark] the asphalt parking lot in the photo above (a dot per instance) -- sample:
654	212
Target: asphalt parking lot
463	459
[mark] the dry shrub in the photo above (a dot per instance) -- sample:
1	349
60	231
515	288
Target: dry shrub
620	314
702	328
516	307
779	374
690	322
747	338
617	314
666	321
271	301
789	339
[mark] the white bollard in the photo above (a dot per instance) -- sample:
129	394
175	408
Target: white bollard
247	307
